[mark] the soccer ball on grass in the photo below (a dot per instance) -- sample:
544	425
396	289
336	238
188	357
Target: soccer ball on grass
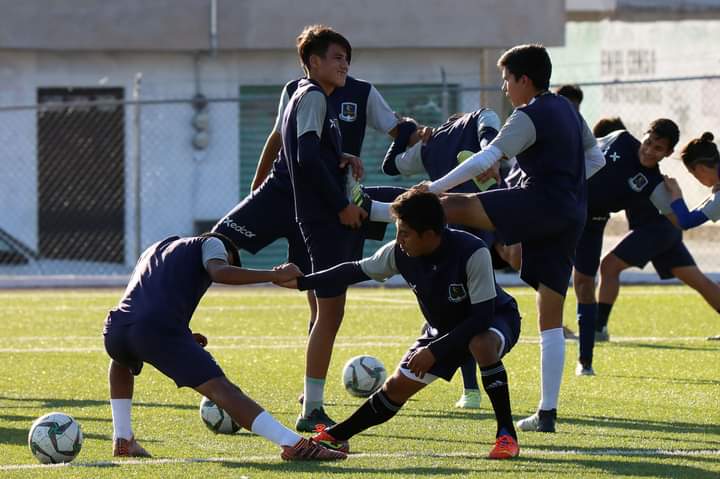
363	375
55	438
216	419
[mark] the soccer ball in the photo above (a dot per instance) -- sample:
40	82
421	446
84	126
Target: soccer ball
54	438
216	419
363	375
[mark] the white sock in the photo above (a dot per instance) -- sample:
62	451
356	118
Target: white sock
381	212
314	391
122	427
552	361
267	426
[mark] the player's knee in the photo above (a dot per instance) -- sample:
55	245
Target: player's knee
484	348
611	266
584	287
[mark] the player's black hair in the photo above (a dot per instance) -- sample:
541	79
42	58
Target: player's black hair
421	211
532	61
572	92
607	125
701	151
230	247
665	128
316	39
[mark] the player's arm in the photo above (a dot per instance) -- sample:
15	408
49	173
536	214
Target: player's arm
380	117
397	151
594	158
687	219
481	290
310	118
516	136
661	198
272	147
379	267
215	261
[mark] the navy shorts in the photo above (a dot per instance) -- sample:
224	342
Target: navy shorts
506	321
659	242
589	247
329	244
548	238
263	217
172	350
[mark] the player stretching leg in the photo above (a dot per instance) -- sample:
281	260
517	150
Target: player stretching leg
467	315
151	325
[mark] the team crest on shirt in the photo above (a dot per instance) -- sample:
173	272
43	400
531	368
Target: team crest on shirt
638	182
348	111
456	293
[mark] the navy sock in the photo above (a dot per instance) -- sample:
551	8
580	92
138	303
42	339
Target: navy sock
603	315
376	410
587	316
495	383
468	374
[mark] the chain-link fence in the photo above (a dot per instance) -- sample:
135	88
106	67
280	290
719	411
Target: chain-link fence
92	176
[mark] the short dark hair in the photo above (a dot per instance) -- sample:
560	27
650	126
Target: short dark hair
701	151
665	128
421	210
316	39
230	247
572	92
532	61
607	125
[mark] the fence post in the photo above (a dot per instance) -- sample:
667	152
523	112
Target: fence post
136	159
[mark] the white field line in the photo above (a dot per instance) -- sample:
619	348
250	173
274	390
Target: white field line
299	342
465	455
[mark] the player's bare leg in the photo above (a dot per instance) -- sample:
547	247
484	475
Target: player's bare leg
122	384
467	210
608	290
552	360
330	312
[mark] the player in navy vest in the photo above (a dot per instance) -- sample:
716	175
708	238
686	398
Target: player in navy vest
434	152
312	148
631	175
467	316
151	325
545	212
653	238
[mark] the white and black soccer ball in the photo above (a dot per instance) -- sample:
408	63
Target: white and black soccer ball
55	438
216	419
363	375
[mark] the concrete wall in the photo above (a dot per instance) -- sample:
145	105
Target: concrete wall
274	24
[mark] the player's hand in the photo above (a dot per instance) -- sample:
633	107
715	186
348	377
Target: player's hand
200	339
286	272
673	187
421	360
423	186
492	173
352	215
292	284
424	132
356	165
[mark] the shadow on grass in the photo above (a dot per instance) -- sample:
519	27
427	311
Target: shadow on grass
64	402
14	435
677	347
697	382
530	466
642	424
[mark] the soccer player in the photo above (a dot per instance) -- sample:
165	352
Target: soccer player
249	225
434	152
702	160
630	176
545	212
151	325
312	148
467	314
653	238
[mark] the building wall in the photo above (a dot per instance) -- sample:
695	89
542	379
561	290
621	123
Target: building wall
179	185
614	50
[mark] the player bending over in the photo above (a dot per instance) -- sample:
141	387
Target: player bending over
151	325
467	315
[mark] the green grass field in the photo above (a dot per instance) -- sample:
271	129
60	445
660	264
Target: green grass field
653	410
